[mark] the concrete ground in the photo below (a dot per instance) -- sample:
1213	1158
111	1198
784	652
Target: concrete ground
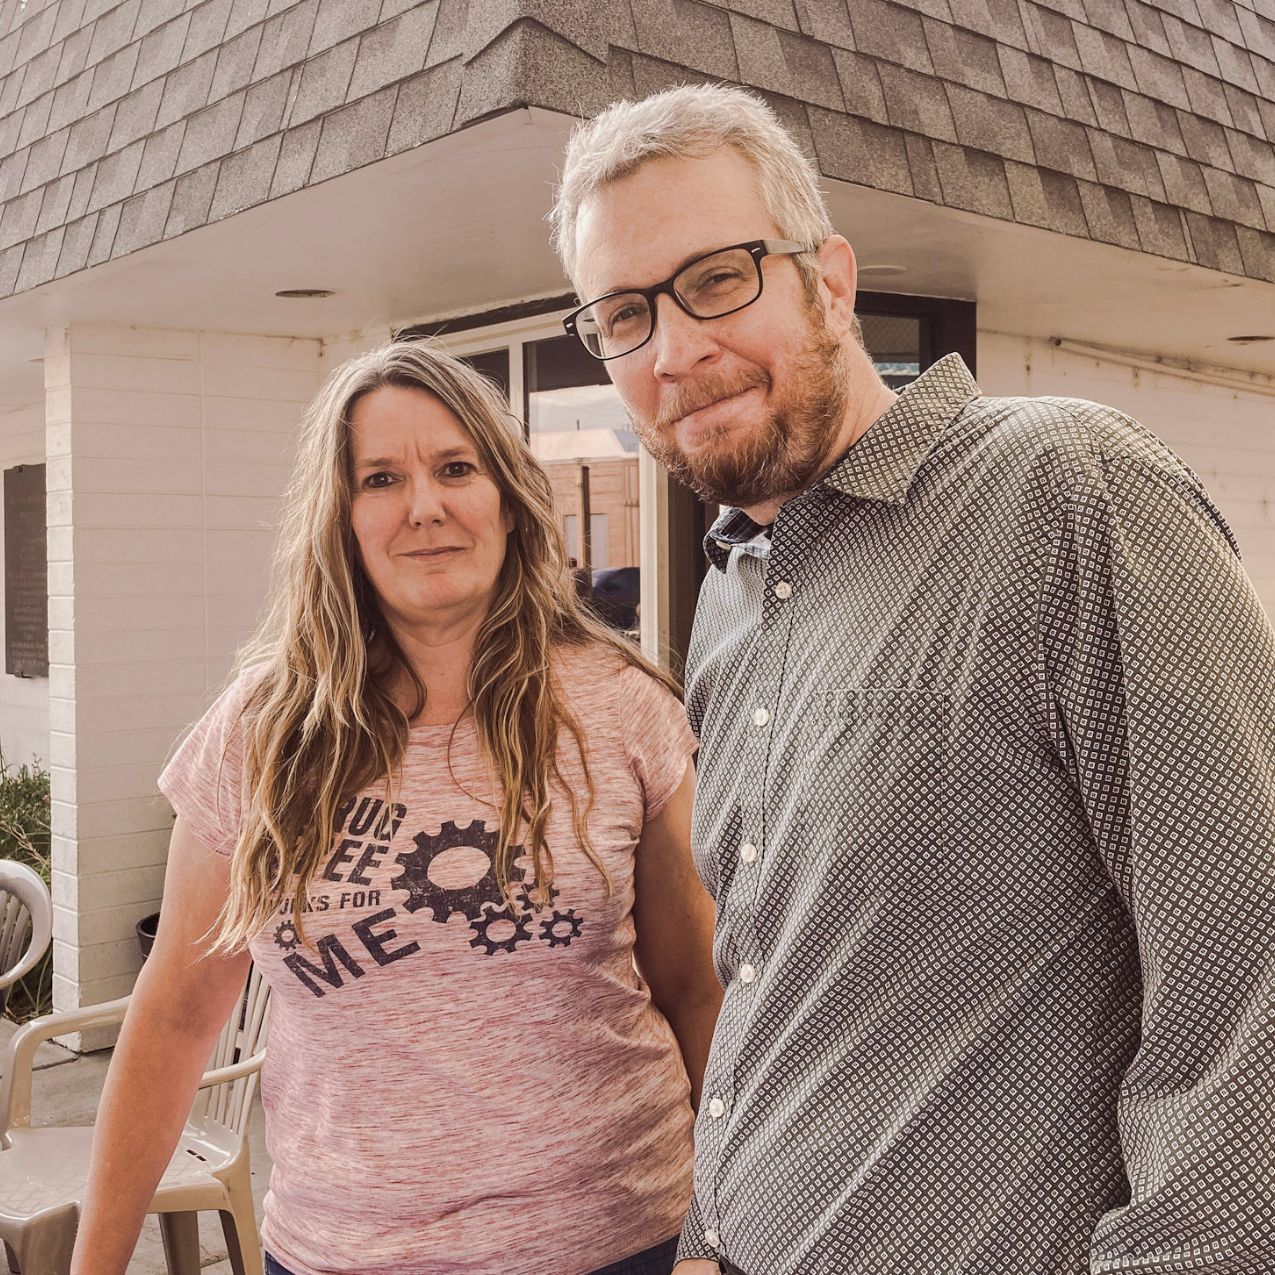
65	1090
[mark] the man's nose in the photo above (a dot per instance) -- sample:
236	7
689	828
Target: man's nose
681	341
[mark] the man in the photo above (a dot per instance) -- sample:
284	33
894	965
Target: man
987	786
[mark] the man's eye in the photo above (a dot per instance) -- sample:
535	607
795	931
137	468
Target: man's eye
626	315
717	280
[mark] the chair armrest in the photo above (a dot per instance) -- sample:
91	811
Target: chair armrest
223	1075
19	1057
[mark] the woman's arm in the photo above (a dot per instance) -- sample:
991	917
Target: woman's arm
674	919
182	999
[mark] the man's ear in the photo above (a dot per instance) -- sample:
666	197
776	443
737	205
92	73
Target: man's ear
839	274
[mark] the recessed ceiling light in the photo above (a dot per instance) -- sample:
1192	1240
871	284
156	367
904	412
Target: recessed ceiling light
883	271
305	294
1249	340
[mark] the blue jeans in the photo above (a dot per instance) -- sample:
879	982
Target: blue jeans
651	1261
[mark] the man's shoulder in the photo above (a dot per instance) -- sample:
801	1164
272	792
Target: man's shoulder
1069	440
1043	423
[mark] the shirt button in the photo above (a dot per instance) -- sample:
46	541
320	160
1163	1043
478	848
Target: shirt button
783	590
747	974
760	716
717	1108
748	852
712	1239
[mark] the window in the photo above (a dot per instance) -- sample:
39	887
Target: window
494	365
894	341
580	433
599	539
906	334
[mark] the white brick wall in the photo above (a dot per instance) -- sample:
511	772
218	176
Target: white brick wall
24	701
168	453
1224	434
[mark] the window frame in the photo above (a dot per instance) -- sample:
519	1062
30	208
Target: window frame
947	326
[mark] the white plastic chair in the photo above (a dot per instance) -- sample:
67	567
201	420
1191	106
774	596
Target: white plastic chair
43	1171
26	923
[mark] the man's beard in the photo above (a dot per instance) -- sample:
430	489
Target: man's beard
785	451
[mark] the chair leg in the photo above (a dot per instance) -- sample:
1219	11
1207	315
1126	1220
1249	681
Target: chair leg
239	1223
234	1250
45	1248
180	1233
242	1244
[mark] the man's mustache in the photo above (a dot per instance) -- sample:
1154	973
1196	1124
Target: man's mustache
686	399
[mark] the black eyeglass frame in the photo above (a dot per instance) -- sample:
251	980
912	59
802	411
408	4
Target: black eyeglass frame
756	248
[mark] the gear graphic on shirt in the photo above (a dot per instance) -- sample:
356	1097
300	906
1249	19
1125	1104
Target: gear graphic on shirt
439	901
482	926
551	930
527	904
286	937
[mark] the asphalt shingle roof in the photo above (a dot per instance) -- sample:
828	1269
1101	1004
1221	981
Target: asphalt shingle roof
1145	124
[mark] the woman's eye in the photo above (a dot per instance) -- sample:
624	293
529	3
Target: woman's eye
458	469
377	480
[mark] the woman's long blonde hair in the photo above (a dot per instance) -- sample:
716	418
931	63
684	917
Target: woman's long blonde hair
321	724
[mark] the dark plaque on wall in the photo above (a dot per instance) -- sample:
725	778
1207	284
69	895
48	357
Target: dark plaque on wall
26	573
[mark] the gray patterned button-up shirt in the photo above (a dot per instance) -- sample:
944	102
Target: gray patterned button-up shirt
987	804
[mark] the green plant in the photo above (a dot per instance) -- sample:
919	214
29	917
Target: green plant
24	835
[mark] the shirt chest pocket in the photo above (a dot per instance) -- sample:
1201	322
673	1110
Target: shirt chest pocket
876	765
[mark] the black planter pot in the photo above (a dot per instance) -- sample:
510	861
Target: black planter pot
147	928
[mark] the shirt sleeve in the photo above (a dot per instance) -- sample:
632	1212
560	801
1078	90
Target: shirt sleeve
1160	669
692	1245
203	780
657	737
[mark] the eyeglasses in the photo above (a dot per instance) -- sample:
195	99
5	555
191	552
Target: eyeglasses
710	287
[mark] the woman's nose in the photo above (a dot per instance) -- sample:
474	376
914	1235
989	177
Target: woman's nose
426	503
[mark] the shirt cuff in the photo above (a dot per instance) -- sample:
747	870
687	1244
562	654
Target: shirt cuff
692	1245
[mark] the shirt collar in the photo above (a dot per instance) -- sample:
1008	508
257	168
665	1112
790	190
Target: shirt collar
733	527
883	463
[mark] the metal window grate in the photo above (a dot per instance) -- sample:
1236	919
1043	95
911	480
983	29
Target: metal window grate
894	342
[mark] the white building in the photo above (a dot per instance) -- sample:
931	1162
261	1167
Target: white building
1079	197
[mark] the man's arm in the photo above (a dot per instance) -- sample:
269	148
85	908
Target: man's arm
694	1253
1160	667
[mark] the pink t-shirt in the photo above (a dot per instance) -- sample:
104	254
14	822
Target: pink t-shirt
450	1087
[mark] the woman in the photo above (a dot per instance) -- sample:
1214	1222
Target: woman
443	809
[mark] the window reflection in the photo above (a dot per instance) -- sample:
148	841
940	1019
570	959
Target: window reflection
580	433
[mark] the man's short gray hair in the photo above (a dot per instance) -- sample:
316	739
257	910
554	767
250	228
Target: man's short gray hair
691	122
